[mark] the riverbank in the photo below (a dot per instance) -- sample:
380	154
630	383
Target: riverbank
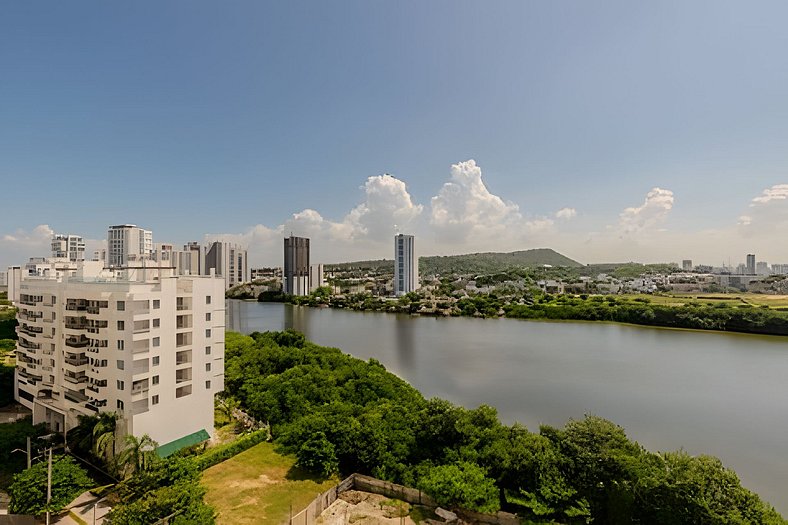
639	310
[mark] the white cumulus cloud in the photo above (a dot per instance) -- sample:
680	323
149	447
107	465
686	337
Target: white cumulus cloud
566	213
653	211
464	209
778	192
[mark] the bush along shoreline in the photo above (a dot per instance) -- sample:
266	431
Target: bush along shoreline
695	315
339	414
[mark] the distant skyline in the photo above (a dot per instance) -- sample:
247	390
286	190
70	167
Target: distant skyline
609	131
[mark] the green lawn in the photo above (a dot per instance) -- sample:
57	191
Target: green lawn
259	486
732	299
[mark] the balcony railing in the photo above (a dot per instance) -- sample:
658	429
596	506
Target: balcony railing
77	380
77	343
76	361
76	397
24	343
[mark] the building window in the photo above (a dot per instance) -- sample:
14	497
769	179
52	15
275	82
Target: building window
208	316
154	400
155	380
156	304
207	350
156	323
121	306
121	325
155	361
207	299
121	344
207	385
156	341
120	384
121	364
207	367
208	332
120	404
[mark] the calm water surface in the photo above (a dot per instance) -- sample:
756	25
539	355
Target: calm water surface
720	394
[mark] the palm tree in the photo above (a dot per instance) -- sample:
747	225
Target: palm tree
104	437
137	455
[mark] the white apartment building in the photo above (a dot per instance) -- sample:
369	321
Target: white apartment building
228	260
406	265
316	277
128	245
141	342
71	247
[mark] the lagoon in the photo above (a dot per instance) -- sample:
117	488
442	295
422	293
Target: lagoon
706	392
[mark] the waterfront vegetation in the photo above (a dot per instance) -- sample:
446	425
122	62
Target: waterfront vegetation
338	414
742	313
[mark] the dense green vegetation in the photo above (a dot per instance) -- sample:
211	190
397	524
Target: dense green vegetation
742	318
29	490
13	436
490	262
338	413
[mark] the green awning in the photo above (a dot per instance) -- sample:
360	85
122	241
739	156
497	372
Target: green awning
186	441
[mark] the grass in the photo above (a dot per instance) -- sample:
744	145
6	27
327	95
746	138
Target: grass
259	486
730	299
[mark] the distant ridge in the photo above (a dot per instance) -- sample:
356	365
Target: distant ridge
474	262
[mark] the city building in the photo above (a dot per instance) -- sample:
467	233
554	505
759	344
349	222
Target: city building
762	268
128	246
228	260
295	275
406	265
71	247
192	259
140	342
256	274
750	264
3	279
13	281
686	265
316	278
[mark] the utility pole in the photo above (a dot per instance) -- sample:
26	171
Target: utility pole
28	452
49	482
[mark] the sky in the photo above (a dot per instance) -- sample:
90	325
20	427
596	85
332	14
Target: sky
609	131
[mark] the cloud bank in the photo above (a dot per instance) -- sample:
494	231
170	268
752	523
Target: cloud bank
465	216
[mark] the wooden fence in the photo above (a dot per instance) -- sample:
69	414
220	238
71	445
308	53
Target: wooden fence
309	515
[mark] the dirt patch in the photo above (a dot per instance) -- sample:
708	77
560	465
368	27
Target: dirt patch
359	508
261	481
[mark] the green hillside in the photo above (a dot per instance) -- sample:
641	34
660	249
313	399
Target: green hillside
471	263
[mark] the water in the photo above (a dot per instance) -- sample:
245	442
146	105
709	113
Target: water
719	394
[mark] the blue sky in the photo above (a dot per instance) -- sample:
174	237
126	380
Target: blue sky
194	118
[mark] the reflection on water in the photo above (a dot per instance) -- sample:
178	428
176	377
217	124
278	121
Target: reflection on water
720	394
405	345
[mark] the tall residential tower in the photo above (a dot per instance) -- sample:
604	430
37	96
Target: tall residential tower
406	265
296	272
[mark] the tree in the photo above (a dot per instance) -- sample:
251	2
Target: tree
137	455
463	485
29	488
318	454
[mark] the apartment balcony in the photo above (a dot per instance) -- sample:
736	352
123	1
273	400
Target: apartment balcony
140	347
182	376
76	380
74	342
31	330
30	316
29	302
139	406
76	307
141	366
75	397
142	327
27	345
77	360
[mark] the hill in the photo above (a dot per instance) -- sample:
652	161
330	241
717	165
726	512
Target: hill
489	262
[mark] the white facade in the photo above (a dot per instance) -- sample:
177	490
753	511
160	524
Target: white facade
406	265
316	278
14	282
71	247
228	260
128	245
143	343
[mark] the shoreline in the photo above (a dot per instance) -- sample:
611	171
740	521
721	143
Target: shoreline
536	319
